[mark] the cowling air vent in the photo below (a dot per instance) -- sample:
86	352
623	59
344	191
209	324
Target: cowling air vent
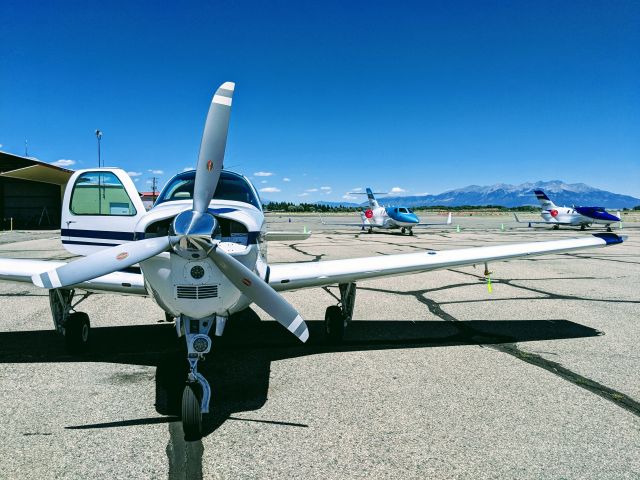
196	292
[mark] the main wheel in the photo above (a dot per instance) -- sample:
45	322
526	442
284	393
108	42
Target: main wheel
334	324
403	230
191	414
608	228
582	227
556	227
411	232
76	332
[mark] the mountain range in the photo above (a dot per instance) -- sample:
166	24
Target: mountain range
562	194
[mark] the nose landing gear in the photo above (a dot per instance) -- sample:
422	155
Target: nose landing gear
196	395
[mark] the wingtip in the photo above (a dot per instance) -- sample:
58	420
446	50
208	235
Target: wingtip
611	238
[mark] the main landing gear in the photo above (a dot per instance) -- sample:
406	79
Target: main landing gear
407	229
608	228
337	317
556	227
197	392
74	326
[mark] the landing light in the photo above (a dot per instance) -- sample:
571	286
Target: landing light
200	344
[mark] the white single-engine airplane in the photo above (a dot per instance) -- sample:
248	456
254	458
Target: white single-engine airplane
574	216
203	257
387	218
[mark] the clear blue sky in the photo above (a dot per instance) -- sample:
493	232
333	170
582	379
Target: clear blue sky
424	96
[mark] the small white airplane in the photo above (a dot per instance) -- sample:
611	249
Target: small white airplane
388	218
574	216
202	257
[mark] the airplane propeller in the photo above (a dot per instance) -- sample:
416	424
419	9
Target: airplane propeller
191	229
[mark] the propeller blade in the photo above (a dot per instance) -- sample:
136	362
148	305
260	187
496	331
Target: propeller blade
214	140
101	263
260	293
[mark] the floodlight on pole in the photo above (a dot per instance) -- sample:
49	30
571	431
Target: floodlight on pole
99	137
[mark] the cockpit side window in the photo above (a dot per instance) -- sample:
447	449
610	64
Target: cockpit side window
100	193
403	210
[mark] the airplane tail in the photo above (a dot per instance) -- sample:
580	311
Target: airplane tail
373	203
545	202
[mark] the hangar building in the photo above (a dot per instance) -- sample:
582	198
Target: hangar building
30	192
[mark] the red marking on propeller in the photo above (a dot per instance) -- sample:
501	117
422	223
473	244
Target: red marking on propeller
246	281
368	213
554	213
209	165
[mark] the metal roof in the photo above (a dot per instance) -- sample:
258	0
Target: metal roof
27	168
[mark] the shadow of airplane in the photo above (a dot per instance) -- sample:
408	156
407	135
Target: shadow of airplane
239	365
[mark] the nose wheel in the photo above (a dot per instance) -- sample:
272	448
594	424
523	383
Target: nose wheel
191	412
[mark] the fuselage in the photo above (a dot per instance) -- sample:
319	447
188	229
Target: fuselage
188	283
578	216
390	217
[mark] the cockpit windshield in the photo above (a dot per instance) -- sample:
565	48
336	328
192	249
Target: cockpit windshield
231	186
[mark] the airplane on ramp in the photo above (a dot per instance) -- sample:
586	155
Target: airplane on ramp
387	218
574	216
202	257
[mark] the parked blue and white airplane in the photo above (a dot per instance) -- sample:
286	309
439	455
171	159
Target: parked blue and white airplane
202	257
574	216
388	218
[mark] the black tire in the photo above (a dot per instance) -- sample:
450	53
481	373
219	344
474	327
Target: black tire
411	232
557	227
77	332
582	227
403	230
608	228
191	413
334	324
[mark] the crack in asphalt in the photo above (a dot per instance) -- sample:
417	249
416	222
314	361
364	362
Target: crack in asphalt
510	348
185	458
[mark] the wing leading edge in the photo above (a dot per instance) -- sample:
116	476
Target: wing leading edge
19	270
292	276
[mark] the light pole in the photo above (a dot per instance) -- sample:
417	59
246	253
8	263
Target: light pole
99	137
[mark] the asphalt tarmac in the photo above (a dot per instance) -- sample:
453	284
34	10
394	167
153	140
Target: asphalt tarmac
436	378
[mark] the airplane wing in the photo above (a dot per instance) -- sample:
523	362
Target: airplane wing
541	222
292	276
426	224
286	236
19	270
359	224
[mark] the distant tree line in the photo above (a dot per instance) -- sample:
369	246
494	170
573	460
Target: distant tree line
313	207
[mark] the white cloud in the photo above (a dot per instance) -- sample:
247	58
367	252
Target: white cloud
397	190
303	194
263	174
270	190
423	193
0	145
327	192
325	188
358	189
134	174
285	179
149	182
263	181
311	190
349	197
136	180
63	163
186	169
157	172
